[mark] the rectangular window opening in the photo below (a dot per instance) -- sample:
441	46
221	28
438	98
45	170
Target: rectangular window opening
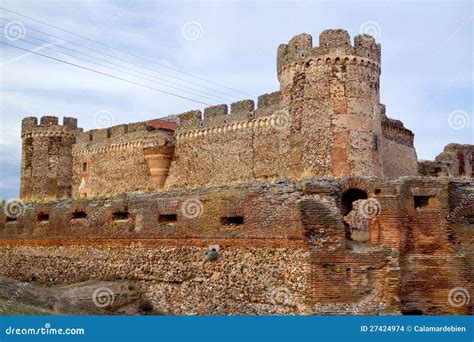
42	217
167	218
79	215
11	219
423	201
232	220
120	215
84	166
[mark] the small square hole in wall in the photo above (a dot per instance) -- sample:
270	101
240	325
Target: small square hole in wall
42	217
167	218
120	216
10	219
84	167
232	220
377	191
79	215
424	202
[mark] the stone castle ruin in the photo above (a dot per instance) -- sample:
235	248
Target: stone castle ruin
312	202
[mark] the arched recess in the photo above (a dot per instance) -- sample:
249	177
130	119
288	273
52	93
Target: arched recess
356	226
350	196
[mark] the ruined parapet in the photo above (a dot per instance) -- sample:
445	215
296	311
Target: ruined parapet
46	167
394	130
457	160
397	150
431	168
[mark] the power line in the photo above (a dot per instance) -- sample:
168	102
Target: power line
126	61
105	66
108	67
105	74
128	53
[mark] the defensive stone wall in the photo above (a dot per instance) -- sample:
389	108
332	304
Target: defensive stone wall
289	238
114	160
46	162
222	148
456	161
398	152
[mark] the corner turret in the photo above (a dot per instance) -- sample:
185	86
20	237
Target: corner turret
46	165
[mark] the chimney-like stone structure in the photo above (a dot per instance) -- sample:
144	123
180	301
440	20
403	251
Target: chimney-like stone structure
158	159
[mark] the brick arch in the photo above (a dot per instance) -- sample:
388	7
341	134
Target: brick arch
356	183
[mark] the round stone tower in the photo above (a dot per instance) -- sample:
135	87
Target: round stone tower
332	95
46	165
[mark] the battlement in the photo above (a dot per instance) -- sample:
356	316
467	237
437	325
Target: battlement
121	131
395	130
48	125
334	47
243	110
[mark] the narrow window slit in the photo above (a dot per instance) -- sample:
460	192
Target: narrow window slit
42	217
120	215
232	220
167	218
79	215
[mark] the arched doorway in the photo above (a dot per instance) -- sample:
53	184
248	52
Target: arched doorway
350	196
355	223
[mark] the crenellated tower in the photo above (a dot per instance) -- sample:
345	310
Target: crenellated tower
332	95
46	165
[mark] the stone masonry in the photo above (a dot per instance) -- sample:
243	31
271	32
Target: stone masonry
311	202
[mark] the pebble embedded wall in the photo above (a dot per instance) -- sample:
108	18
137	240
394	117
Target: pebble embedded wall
397	150
222	148
46	165
328	274
280	189
332	92
113	160
456	161
326	121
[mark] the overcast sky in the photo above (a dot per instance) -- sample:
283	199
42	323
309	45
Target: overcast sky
426	81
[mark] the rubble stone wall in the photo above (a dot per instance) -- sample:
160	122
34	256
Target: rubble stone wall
287	252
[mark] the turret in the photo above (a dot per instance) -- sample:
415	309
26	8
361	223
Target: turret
46	165
332	92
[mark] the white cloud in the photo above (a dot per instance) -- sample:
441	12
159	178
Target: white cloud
426	52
